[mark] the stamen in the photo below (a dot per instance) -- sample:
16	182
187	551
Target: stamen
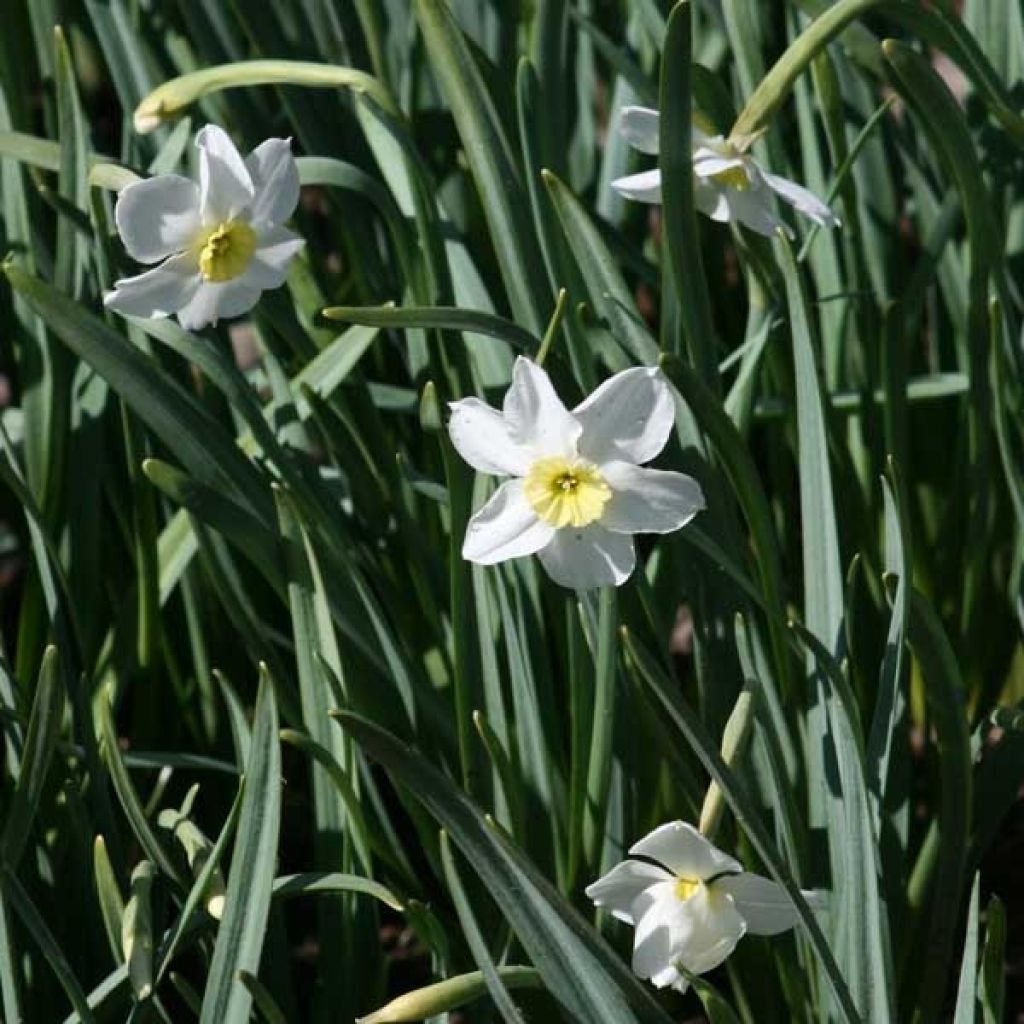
564	493
225	250
686	887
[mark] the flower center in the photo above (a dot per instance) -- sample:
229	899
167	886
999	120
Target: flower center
565	493
685	888
225	250
731	177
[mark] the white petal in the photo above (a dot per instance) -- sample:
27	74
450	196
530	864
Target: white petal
700	139
158	292
656	912
762	903
481	436
697	933
590	557
275	178
639	127
754	208
629	417
213	302
535	415
707	163
158	216
802	200
644	187
710	200
275	248
506	527
225	185
685	852
618	890
649	500
670	978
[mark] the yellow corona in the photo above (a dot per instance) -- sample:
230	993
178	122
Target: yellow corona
686	887
565	493
225	251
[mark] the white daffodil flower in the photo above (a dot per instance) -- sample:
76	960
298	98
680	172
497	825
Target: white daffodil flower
728	183
692	907
578	490
218	244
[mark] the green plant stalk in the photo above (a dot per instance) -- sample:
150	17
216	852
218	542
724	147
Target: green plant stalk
774	88
448	995
174	97
599	770
734	742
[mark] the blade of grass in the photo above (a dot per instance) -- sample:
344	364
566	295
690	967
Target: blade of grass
490	159
36	926
44	726
247	900
774	88
680	232
475	939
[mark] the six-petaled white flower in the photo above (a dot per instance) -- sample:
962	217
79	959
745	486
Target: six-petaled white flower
220	243
577	491
692	906
728	183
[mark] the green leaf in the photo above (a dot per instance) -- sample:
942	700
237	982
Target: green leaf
160	402
993	964
837	802
44	726
718	1010
489	154
966	1011
197	895
71	173
109	894
331	883
675	160
773	89
945	876
438	318
609	294
127	795
475	939
36	926
233	521
247	900
262	1000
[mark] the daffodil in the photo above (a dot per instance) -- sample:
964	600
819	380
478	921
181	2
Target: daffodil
728	183
690	904
217	244
578	490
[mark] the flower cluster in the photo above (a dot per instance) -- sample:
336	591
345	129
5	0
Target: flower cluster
576	488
